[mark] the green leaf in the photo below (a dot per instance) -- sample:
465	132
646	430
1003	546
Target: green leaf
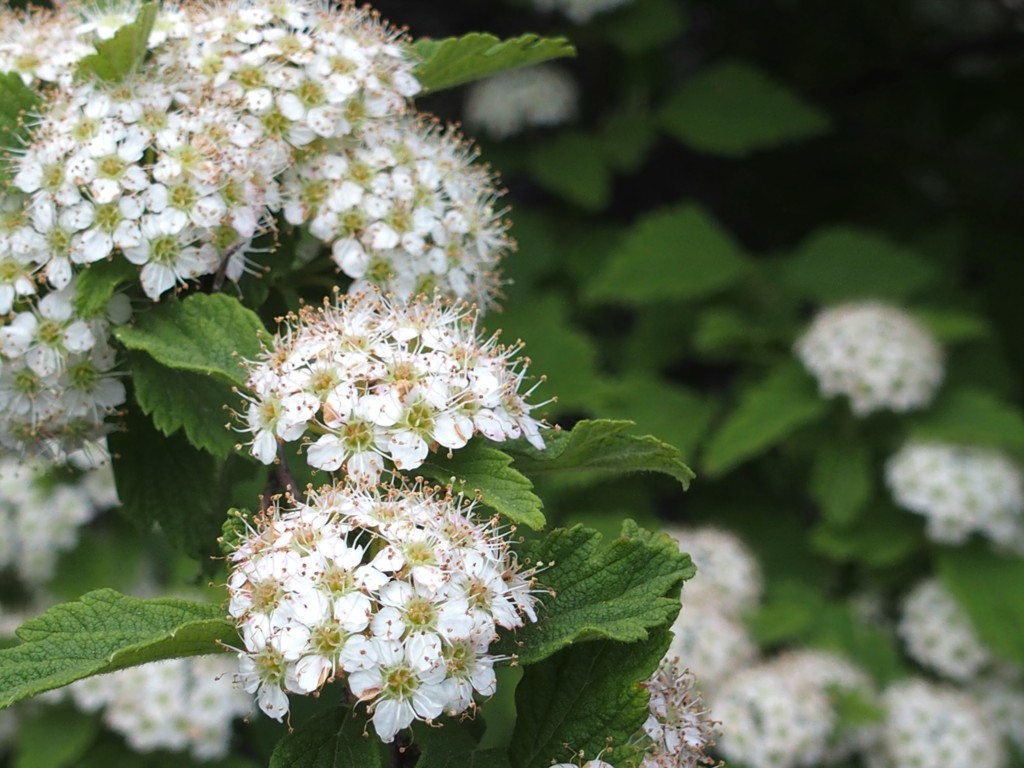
881	537
205	333
36	747
767	412
643	25
619	591
121	55
627	138
585	698
990	588
599	449
450	746
104	631
841	480
333	739
457	60
572	165
177	399
96	285
485	472
952	327
673	254
165	480
733	109
841	263
16	99
972	417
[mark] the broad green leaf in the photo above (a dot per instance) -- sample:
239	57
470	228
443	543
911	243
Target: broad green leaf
882	536
643	25
104	631
952	327
671	412
627	138
585	698
177	399
457	60
841	263
990	588
485	473
117	58
572	165
972	417
333	739
36	747
96	285
450	746
165	480
16	99
733	109
673	254
205	333
767	412
600	448
841	480
618	591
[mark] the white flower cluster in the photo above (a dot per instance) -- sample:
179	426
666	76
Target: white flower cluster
41	515
399	590
778	714
1001	697
960	490
931	726
175	705
579	11
874	353
938	634
382	380
709	635
679	728
510	102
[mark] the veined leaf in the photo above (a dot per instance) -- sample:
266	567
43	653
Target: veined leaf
457	60
332	739
485	472
122	54
620	591
105	631
205	333
16	99
95	285
602	447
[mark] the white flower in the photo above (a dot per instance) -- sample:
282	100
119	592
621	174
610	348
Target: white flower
960	490
506	104
728	574
678	726
711	641
876	354
579	11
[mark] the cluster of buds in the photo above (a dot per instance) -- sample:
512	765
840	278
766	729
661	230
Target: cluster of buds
679	727
398	590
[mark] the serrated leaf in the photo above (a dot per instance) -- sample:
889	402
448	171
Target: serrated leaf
96	285
842	263
16	99
450	746
643	25
485	472
36	747
122	54
205	333
165	480
733	109
177	399
585	698
618	591
841	480
675	414
767	412
333	739
673	254
104	631
600	448
572	166
990	588
973	417
457	60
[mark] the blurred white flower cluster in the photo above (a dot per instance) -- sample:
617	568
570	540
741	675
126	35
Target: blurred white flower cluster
938	634
709	636
245	113
874	353
41	514
513	101
960	490
579	11
177	705
383	380
398	590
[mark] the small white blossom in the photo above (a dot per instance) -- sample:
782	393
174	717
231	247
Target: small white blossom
579	11
679	727
510	102
728	574
713	642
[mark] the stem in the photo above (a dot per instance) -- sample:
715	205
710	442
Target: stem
284	476
396	754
